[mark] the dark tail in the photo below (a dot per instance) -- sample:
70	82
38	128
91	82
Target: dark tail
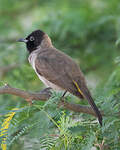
84	92
93	105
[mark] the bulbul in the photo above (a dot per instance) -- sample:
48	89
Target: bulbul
56	69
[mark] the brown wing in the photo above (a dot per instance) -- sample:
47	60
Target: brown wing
59	69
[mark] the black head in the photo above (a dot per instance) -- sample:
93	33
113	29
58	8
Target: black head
33	40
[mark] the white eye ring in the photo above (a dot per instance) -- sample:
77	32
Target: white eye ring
32	38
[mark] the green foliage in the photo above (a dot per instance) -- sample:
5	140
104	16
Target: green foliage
88	31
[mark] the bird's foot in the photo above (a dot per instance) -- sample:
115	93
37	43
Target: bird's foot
47	90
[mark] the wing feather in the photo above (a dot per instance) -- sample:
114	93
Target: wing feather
51	65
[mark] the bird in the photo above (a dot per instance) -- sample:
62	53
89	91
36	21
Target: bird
56	69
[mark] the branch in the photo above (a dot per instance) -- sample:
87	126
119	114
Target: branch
44	96
78	108
7	89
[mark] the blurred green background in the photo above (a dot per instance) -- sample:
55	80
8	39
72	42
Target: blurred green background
86	30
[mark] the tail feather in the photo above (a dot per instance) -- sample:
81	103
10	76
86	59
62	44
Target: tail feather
86	94
94	107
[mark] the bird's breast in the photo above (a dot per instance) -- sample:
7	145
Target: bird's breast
47	83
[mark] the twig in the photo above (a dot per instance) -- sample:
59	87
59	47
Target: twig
44	96
7	89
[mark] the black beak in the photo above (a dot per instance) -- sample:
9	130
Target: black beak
22	40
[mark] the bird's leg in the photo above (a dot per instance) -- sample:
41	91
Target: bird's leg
62	99
63	94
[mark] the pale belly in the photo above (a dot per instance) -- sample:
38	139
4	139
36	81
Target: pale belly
47	83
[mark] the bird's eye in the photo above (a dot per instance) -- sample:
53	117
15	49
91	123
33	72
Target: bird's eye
32	38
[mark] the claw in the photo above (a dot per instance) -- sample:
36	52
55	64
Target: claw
47	90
